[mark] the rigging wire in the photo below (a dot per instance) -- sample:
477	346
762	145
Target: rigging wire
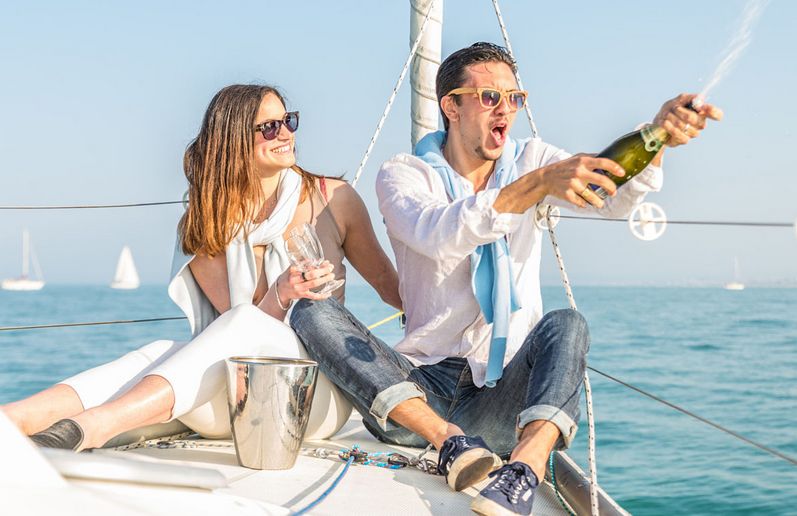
94	323
403	73
571	217
702	419
505	34
693	222
90	206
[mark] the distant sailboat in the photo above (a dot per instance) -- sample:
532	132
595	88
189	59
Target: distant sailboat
23	282
736	284
126	277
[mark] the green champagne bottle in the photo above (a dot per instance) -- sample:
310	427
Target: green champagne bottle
636	150
633	152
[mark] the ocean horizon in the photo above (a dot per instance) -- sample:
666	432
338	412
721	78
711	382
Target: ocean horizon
729	356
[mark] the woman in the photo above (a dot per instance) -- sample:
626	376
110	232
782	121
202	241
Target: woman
245	193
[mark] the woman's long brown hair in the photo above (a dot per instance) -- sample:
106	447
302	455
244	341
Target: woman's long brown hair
223	187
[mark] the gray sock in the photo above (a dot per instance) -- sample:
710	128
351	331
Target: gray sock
65	434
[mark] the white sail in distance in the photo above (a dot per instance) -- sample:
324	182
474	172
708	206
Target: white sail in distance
24	282
126	277
736	284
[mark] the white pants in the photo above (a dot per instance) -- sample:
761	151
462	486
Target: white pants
197	373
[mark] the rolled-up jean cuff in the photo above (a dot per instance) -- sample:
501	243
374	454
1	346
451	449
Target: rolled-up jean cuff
567	427
386	401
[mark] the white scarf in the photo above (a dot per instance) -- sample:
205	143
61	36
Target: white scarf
241	270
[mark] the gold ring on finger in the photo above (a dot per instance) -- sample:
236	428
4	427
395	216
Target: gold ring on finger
584	192
686	129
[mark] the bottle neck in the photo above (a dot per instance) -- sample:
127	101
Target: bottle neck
654	137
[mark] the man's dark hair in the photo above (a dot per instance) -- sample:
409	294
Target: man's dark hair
451	74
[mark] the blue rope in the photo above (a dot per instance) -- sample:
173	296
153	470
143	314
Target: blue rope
556	488
326	493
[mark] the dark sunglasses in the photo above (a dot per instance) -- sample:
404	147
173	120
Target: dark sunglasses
271	128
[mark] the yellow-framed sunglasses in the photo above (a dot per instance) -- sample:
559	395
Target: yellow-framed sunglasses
489	98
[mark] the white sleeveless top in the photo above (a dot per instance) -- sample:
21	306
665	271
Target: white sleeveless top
241	266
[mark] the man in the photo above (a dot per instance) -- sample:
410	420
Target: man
478	358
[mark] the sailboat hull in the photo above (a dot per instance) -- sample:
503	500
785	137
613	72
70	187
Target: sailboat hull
121	285
21	284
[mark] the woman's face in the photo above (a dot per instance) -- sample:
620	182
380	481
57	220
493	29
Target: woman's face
271	156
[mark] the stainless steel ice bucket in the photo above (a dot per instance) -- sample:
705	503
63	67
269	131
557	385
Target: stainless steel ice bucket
269	400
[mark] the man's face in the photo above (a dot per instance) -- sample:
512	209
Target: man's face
484	130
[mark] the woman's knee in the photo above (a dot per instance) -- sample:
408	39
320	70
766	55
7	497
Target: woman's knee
243	314
247	323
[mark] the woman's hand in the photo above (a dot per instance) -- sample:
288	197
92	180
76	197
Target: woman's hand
295	284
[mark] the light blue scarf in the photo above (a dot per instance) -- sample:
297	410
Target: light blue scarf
491	267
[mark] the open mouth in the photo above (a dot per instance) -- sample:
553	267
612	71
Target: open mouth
498	131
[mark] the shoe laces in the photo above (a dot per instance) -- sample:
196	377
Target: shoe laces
459	441
512	481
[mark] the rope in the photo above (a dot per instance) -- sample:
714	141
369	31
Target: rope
97	323
737	435
593	469
593	491
156	442
517	74
413	51
90	206
562	501
318	500
385	320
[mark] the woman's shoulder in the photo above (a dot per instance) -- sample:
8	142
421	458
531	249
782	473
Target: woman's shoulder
345	204
337	190
333	183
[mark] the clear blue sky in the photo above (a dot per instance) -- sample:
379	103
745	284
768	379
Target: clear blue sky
100	99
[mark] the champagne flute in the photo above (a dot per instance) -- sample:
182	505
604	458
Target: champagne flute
305	252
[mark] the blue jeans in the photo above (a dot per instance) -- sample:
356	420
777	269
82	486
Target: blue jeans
541	382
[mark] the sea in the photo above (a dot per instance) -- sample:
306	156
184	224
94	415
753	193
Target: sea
728	356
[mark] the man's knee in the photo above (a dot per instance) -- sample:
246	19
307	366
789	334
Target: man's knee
567	317
317	323
571	328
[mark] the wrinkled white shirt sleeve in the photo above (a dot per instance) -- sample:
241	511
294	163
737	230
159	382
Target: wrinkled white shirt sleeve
418	213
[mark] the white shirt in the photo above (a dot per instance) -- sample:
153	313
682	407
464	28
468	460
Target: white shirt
433	238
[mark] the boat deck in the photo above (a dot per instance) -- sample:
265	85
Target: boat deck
363	490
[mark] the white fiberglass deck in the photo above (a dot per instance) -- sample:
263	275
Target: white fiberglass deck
146	480
363	490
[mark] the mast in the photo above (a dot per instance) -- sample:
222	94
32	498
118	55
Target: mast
423	71
25	253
